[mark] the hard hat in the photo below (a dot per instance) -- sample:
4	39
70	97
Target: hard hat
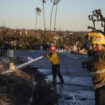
52	48
98	38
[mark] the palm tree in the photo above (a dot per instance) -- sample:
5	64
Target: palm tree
44	1
57	2
38	10
54	3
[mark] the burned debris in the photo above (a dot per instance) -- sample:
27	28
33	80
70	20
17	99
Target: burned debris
25	87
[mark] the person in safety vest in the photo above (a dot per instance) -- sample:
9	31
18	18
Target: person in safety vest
97	68
53	58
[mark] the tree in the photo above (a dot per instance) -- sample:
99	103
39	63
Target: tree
56	3
97	16
38	10
44	1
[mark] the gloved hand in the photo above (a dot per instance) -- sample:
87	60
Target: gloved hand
46	55
87	64
84	63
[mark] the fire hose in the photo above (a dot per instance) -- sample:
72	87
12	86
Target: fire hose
68	73
23	65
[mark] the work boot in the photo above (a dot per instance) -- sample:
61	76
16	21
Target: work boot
62	82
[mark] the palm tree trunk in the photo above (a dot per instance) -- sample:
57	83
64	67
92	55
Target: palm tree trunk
51	16
44	23
44	17
55	17
36	22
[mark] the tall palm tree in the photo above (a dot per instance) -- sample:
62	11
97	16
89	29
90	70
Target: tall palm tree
44	1
38	10
54	3
57	2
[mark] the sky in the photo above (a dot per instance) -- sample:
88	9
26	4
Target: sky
71	14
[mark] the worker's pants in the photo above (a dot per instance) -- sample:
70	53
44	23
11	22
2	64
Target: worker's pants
56	71
100	96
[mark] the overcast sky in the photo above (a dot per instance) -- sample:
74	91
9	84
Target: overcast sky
71	15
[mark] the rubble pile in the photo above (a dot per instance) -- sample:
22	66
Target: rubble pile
25	87
16	88
44	93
